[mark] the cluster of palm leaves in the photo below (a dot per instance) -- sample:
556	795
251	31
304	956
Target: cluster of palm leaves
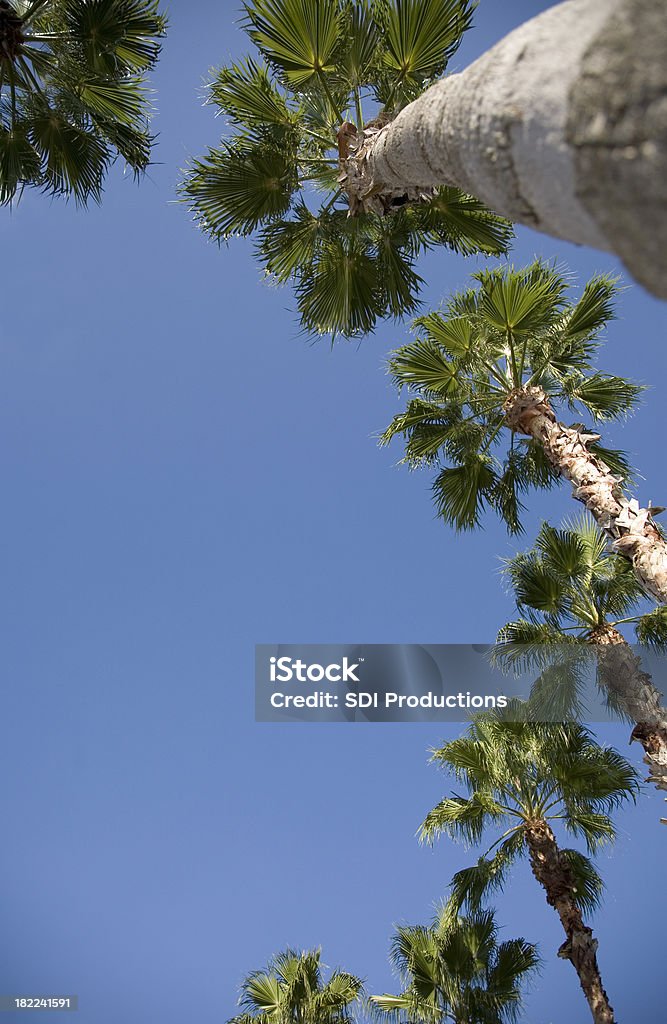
457	970
569	585
523	782
72	92
276	175
516	329
453	971
292	989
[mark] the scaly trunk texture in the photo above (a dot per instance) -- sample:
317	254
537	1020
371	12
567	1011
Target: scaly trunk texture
561	126
620	672
632	529
553	872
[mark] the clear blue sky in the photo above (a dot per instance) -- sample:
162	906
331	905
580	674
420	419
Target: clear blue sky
183	476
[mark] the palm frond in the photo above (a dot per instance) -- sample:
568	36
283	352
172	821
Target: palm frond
471	887
462	223
19	161
461	493
652	629
460	818
363	39
74	96
604	396
298	38
73	159
595	308
588	887
116	36
238	187
419	38
423	367
245	93
341	293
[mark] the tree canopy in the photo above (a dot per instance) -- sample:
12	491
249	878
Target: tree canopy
73	93
320	74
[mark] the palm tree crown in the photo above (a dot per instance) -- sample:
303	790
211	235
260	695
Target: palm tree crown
457	971
569	586
522	779
519	773
515	332
72	92
321	74
291	991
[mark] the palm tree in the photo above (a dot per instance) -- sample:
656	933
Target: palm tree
569	588
291	991
521	778
560	126
457	971
321	73
73	92
489	369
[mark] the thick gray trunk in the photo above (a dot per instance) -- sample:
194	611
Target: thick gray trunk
561	126
631	529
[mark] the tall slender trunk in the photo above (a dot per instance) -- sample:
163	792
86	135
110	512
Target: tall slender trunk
561	126
554	874
632	530
621	673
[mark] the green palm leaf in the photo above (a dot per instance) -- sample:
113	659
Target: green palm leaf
588	887
456	970
454	335
342	293
462	493
122	104
292	989
515	304
116	36
420	37
73	159
606	397
594	309
652	629
245	93
462	223
19	161
362	34
423	364
237	187
298	37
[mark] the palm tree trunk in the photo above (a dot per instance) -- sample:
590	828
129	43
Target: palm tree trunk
553	873
620	672
632	530
560	126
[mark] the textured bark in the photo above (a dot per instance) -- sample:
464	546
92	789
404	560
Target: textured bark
553	872
632	689
632	529
561	126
